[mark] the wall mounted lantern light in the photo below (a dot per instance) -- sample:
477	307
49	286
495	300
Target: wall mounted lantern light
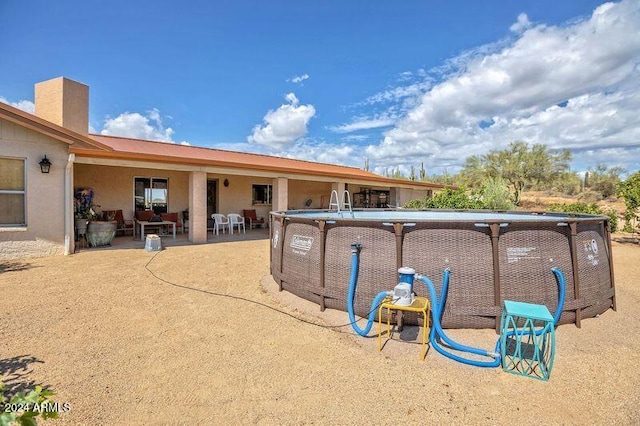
45	165
226	182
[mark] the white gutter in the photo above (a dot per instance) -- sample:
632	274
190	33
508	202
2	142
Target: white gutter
69	240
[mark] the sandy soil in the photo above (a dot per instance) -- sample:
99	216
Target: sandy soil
200	335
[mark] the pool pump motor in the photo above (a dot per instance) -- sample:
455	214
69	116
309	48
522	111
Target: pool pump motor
403	293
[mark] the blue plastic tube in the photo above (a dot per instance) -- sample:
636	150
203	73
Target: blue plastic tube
353	282
561	293
437	333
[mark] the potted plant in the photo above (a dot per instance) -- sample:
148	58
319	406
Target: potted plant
101	230
84	212
98	229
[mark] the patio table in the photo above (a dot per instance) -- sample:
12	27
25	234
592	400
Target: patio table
144	223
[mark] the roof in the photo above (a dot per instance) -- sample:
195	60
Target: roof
48	128
139	149
100	146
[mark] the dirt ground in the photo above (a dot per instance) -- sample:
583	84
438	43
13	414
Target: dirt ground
200	335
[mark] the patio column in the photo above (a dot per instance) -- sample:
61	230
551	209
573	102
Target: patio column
400	196
280	196
69	232
198	207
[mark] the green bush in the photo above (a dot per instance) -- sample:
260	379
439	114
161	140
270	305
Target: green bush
446	199
630	191
35	398
591	208
495	195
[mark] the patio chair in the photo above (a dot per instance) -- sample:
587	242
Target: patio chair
144	216
219	221
236	220
173	217
251	219
124	225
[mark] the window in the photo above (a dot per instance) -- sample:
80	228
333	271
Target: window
261	194
151	194
12	192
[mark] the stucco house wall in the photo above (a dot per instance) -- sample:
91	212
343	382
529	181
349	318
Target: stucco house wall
113	186
238	195
300	191
43	234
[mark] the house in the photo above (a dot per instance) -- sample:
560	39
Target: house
37	208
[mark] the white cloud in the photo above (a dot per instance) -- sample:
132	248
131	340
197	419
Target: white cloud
24	105
363	124
522	24
355	138
285	125
573	86
137	126
299	78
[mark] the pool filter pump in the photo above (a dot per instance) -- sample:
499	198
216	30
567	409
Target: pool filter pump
403	292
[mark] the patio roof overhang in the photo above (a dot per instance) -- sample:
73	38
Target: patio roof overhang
148	154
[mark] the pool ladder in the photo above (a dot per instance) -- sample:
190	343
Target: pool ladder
346	201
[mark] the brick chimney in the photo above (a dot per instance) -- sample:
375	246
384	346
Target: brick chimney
64	102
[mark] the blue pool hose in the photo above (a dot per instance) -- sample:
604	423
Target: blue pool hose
437	335
355	266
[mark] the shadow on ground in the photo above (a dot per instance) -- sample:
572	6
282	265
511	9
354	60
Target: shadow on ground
15	374
635	240
10	266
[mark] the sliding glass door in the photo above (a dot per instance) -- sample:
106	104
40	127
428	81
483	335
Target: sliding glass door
151	194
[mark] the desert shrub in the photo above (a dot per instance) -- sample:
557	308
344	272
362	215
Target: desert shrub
447	199
568	184
495	195
415	204
591	208
589	197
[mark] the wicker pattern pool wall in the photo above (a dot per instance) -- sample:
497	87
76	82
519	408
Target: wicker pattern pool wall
492	257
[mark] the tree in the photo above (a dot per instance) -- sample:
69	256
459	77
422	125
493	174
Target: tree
473	172
568	183
520	166
604	180
629	189
412	174
423	172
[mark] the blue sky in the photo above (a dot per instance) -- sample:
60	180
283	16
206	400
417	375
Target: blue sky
400	83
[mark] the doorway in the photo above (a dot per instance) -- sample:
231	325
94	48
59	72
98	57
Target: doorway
212	197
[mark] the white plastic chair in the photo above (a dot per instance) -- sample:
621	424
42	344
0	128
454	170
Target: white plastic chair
219	221
236	219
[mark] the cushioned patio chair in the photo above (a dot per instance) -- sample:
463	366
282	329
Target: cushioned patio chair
251	219
173	217
144	216
124	225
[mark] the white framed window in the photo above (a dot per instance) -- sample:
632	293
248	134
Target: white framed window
13	204
261	193
151	194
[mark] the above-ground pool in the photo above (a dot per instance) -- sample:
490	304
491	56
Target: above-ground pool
492	257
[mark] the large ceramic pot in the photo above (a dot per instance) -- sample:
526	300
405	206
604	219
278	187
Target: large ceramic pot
101	233
81	227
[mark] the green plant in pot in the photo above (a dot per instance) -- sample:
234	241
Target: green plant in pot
98	229
84	209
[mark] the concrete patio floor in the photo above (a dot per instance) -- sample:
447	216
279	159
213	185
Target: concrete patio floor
129	242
